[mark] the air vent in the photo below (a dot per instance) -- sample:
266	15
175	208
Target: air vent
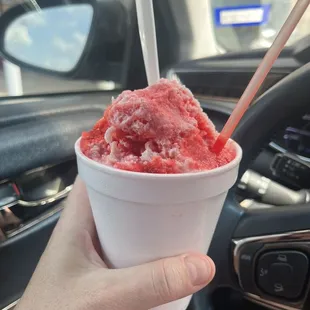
32	195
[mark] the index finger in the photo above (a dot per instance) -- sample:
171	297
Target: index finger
77	214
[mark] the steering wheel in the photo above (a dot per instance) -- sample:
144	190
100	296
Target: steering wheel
263	253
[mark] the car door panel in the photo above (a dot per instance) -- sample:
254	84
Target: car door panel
34	134
19	256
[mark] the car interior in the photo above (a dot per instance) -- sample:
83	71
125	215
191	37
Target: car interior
261	246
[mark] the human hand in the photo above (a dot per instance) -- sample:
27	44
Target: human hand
72	275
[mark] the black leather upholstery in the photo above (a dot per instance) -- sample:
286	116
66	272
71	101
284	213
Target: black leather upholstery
37	133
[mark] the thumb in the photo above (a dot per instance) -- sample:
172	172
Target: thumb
169	279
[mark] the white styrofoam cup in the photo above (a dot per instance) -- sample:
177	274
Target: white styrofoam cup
142	217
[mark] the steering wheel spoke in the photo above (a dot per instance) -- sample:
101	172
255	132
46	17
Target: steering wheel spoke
271	251
272	221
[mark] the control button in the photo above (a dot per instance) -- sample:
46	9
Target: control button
282	273
246	267
292	169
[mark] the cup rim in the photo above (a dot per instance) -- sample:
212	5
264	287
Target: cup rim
138	175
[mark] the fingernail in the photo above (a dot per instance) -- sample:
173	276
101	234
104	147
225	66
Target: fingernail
198	269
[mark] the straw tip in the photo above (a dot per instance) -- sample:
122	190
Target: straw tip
219	144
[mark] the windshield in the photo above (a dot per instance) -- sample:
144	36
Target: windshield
216	26
241	25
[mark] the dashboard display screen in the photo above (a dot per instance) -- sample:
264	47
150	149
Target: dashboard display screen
296	137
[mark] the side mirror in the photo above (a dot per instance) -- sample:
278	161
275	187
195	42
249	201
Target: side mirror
52	38
66	38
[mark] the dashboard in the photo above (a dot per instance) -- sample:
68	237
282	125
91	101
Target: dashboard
295	138
291	164
285	161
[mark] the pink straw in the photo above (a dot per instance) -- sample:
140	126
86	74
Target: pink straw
260	74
